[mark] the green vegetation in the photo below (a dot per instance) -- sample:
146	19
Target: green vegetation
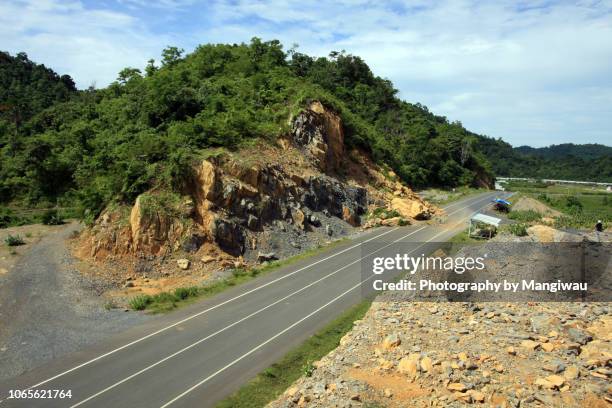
26	89
275	379
52	217
520	229
581	206
14	240
143	132
525	216
463	238
383	213
15	217
590	162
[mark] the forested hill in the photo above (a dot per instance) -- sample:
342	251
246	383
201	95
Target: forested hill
146	129
27	88
589	162
562	151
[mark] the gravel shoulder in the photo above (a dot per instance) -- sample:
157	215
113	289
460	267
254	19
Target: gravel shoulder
48	309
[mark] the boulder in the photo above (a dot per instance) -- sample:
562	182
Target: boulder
411	208
183	263
298	218
193	242
269	256
349	216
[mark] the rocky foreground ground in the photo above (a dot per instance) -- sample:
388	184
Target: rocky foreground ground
452	354
407	353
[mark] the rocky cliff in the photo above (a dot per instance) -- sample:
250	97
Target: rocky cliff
262	201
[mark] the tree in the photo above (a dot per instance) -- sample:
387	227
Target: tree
171	55
127	74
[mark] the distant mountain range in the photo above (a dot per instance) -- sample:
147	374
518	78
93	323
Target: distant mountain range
568	161
561	151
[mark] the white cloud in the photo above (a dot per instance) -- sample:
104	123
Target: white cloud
91	45
533	72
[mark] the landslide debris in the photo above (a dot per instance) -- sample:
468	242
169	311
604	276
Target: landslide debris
274	199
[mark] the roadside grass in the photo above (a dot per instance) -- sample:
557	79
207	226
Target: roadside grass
274	380
182	296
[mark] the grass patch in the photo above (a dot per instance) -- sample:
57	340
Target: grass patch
525	216
520	230
581	206
167	301
274	380
14	240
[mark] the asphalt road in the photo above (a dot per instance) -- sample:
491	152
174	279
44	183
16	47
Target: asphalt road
200	354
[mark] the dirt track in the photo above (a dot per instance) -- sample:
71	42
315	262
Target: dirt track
48	309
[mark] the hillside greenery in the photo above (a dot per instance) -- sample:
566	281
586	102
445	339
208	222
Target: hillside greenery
591	162
87	148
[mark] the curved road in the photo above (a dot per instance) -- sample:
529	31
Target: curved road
200	354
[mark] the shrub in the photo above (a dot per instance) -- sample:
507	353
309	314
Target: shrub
544	197
572	203
165	297
520	230
52	217
308	369
6	217
14	240
184	293
140	302
382	212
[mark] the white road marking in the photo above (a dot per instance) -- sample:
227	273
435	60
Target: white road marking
201	313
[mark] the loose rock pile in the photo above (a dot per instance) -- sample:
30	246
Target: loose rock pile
453	354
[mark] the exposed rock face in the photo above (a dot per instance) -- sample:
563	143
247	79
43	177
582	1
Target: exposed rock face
320	133
151	231
229	236
235	203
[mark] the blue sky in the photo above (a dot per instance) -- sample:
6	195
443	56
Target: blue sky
531	72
